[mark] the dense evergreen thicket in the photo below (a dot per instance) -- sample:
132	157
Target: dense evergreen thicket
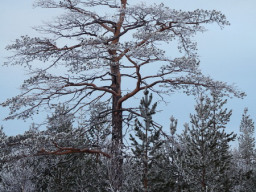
197	160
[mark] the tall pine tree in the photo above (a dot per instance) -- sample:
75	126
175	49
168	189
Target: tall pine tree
205	146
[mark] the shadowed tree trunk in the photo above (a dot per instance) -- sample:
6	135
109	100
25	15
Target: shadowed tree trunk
117	140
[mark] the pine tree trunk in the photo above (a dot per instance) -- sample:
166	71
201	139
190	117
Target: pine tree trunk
117	140
117	118
117	135
203	180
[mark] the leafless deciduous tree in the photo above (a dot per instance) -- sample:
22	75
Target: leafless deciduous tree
96	47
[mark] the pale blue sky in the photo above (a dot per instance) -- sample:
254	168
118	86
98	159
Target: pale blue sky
228	55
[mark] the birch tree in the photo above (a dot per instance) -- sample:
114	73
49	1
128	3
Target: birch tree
95	47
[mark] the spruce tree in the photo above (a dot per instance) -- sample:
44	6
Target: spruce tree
146	141
97	128
60	121
246	154
206	159
247	140
76	172
176	159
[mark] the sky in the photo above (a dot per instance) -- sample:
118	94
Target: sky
228	55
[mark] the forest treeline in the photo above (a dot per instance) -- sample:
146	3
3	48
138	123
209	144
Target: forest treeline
77	157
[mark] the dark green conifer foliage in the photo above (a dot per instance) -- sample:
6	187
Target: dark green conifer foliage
60	121
98	127
206	144
71	172
146	141
57	172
